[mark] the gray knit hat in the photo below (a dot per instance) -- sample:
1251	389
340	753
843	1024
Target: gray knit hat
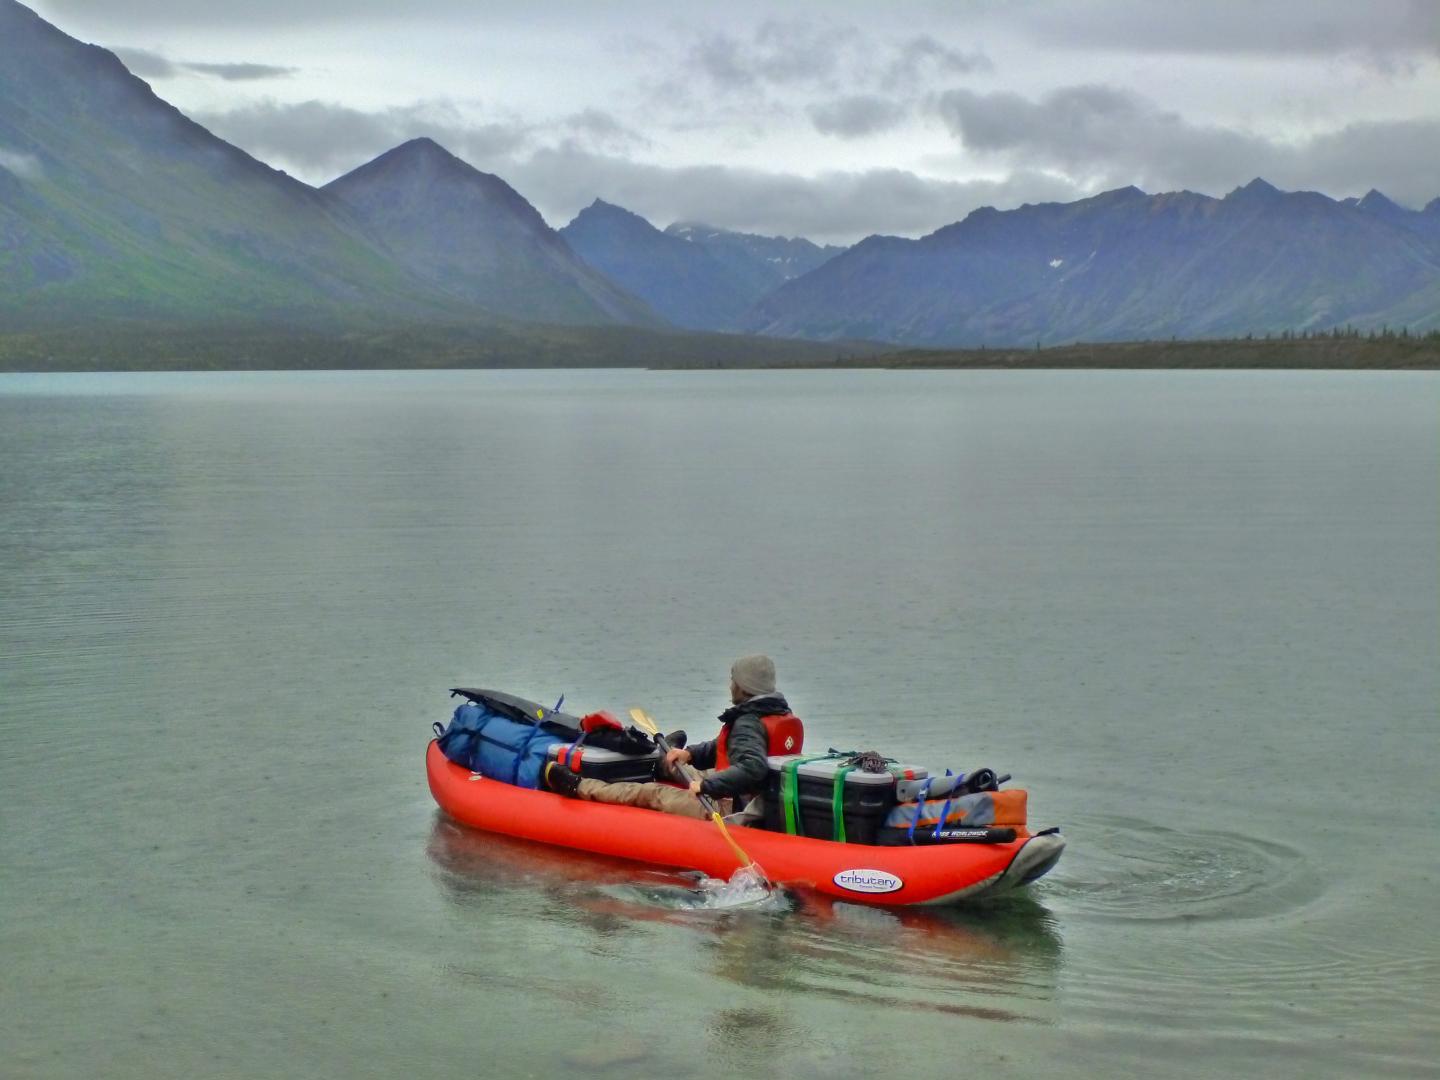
753	675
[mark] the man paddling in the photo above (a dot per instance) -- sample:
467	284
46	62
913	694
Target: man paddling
758	723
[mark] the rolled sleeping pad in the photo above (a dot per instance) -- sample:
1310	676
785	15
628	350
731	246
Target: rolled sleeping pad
937	787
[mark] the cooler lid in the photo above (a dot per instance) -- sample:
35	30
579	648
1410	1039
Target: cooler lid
599	756
826	768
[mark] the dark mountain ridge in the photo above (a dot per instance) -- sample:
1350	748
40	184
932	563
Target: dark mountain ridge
761	262
1126	265
471	235
682	281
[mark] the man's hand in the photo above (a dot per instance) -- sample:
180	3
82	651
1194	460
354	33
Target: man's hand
677	755
694	784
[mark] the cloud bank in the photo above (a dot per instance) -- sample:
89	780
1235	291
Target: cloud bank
1107	136
835	120
561	171
1374	29
834	206
322	139
857	116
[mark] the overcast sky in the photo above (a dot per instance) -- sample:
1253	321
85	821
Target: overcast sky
827	119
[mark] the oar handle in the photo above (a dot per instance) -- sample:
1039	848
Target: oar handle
689	774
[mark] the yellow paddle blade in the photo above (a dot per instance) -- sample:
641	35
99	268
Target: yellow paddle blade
745	859
643	721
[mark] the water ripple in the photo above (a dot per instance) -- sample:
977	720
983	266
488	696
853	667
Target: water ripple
1127	868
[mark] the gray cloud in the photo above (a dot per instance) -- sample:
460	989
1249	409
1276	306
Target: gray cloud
146	64
856	116
831	207
1376	28
25	166
923	58
776	54
1074	125
241	72
152	65
250	13
1102	136
848	82
1400	157
825	56
1105	136
1263	27
322	140
601	130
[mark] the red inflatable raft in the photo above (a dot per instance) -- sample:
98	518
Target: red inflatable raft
861	873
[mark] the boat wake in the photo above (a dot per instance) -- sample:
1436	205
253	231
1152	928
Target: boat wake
747	888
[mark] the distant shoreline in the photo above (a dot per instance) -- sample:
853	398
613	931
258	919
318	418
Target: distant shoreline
1305	354
519	346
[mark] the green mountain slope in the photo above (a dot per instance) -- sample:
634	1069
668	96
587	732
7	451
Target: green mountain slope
114	204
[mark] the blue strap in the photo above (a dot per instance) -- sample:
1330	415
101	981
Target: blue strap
919	808
525	746
475	735
944	810
520	754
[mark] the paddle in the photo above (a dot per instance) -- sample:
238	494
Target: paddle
647	725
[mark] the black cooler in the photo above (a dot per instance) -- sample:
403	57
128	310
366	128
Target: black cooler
866	798
594	763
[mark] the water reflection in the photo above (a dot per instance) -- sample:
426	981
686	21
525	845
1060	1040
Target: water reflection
998	961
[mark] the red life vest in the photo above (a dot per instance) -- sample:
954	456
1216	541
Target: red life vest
784	731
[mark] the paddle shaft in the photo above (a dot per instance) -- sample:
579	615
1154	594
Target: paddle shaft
689	774
649	726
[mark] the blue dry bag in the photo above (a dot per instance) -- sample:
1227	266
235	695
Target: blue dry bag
496	746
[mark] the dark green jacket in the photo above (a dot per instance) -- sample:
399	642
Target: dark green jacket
747	748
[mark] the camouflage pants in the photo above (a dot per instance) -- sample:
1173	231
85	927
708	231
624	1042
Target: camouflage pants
663	797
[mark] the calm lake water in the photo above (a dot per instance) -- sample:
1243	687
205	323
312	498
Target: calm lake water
1195	614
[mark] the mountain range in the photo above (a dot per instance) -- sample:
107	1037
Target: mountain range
117	210
115	207
1125	265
